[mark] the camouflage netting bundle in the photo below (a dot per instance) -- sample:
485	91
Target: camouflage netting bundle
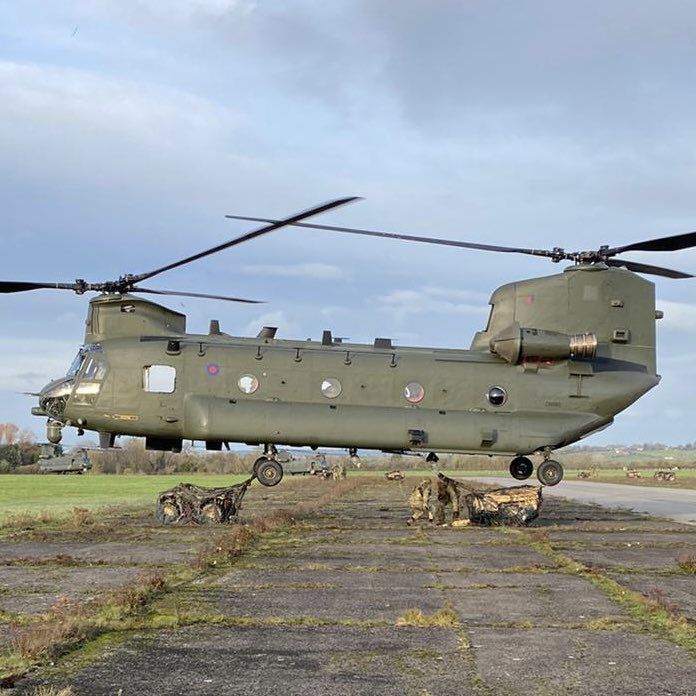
191	504
517	505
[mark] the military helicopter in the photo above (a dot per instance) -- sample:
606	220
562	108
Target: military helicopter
560	356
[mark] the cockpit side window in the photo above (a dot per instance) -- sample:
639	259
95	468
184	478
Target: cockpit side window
95	369
76	363
490	318
88	350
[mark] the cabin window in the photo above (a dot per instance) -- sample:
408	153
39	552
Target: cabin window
414	392
160	379
496	396
248	384
331	387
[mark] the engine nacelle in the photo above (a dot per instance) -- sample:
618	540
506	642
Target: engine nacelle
516	344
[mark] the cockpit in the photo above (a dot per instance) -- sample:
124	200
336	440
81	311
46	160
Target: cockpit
83	381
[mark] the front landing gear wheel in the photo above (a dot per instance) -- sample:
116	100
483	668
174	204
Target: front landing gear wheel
268	472
521	468
550	472
257	464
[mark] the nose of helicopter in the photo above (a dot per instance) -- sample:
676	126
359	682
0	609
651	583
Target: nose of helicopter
53	398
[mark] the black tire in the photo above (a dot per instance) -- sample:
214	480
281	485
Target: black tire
550	473
257	464
521	468
269	473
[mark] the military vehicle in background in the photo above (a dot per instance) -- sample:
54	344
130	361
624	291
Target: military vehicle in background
312	465
395	475
53	461
668	476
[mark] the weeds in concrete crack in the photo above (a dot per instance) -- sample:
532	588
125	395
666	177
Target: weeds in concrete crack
687	563
68	625
415	617
476	681
651	615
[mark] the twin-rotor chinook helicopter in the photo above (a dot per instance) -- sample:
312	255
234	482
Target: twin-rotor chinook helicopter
560	356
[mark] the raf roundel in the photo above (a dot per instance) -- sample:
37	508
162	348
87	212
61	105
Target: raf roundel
213	370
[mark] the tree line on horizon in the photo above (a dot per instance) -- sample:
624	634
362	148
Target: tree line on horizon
18	448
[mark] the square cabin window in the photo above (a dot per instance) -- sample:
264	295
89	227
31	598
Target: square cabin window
159	378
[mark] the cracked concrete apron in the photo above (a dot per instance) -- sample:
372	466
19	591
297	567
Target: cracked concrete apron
355	602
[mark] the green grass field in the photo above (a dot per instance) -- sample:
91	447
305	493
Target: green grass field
38	493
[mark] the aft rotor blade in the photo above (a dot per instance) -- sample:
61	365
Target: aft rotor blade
646	268
673	243
559	254
8	286
276	224
195	294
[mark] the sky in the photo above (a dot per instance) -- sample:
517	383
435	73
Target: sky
129	128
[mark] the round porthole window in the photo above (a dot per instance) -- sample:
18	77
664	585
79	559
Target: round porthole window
414	392
248	384
496	396
331	387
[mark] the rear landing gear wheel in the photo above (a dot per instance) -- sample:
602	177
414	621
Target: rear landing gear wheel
268	472
521	468
550	472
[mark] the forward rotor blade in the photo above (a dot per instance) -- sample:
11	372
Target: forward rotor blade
195	294
276	224
646	268
8	286
673	243
556	254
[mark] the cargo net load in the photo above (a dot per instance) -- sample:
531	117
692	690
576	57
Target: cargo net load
515	505
189	504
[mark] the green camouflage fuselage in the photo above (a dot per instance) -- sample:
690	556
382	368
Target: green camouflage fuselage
568	351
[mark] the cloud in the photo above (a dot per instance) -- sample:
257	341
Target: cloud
679	316
403	304
456	67
29	365
147	112
534	124
542	63
32	377
169	11
313	271
287	328
187	9
678	364
88	137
